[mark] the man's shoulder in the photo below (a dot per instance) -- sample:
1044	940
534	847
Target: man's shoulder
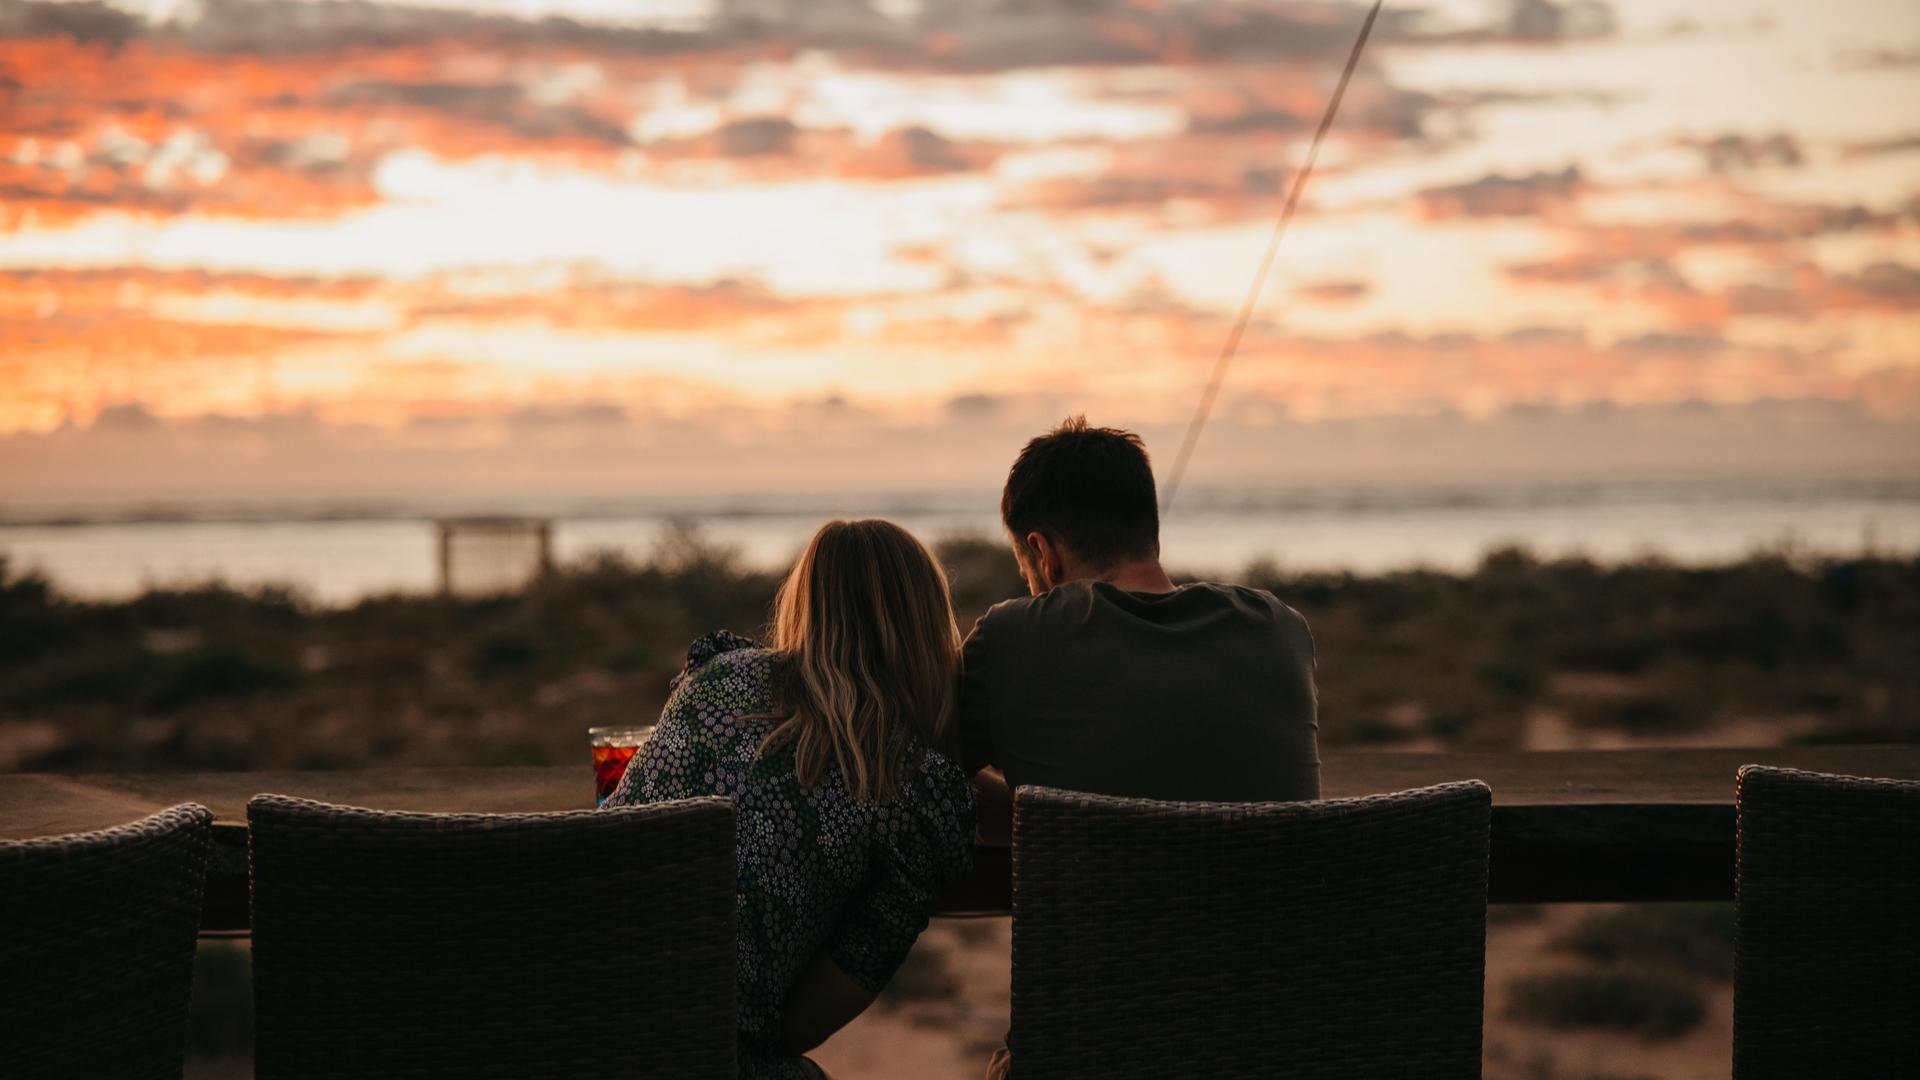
1257	599
1245	593
1013	607
1021	612
1074	594
1075	600
1016	610
1006	619
1264	605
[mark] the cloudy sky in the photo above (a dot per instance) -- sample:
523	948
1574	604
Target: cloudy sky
322	247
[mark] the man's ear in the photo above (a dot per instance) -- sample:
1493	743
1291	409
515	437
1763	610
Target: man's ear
1046	559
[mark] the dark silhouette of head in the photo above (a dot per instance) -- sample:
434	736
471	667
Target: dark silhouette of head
1079	501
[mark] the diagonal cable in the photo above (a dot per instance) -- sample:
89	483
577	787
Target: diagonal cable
1266	263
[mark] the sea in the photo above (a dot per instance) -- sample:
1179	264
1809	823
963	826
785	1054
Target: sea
336	551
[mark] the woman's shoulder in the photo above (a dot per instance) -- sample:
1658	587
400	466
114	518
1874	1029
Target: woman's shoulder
724	655
719	645
728	679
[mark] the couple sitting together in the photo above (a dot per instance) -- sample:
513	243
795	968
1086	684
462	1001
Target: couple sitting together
863	744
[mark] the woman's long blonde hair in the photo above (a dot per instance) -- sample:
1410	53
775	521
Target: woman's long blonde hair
870	652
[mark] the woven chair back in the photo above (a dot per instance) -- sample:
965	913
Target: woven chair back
96	961
1827	952
1309	940
475	946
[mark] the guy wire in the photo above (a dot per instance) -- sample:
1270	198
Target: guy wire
1266	263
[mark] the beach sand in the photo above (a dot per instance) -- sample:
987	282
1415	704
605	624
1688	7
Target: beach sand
936	1037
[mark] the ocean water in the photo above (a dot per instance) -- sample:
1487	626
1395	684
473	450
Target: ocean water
337	554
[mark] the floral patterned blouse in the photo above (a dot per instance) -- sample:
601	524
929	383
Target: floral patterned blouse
818	869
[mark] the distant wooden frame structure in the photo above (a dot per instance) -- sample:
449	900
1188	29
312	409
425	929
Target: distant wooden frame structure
485	555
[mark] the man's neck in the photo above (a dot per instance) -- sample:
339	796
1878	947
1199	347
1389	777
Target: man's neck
1138	575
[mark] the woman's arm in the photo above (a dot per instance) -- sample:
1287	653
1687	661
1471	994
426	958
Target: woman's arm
925	839
822	1001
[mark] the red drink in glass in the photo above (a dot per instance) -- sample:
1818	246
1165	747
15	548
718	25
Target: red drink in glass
613	748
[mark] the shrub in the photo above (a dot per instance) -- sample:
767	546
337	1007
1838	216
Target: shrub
976	932
1649	713
1657	1006
506	649
1603	647
980	573
1447	722
215	603
217	670
135	680
1514	914
220	1021
924	976
1368	730
1514	673
32	621
1696	938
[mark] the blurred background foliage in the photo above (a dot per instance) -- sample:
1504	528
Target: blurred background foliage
1518	653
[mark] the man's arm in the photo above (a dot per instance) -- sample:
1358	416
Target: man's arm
972	736
993	802
992	808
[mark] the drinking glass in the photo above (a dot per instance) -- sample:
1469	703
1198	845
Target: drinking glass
613	748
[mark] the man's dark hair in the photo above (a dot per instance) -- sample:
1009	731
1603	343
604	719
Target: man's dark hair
1086	487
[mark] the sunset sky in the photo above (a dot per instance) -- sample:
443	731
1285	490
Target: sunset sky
306	247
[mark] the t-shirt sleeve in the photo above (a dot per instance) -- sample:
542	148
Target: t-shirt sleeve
1306	751
1300	636
923	841
971	716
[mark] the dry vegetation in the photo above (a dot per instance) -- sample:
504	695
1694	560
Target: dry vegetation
1517	653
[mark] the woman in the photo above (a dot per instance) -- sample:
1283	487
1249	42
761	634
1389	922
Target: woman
848	819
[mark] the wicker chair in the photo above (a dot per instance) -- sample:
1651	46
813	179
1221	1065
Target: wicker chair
1827	962
96	965
582	944
1307	940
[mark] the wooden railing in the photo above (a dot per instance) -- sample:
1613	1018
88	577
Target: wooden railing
1567	826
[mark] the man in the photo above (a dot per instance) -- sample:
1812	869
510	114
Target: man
1109	679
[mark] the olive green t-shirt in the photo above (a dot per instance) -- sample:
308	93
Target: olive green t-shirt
1202	693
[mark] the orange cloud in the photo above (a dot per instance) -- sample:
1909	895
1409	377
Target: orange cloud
1392	374
1540	195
